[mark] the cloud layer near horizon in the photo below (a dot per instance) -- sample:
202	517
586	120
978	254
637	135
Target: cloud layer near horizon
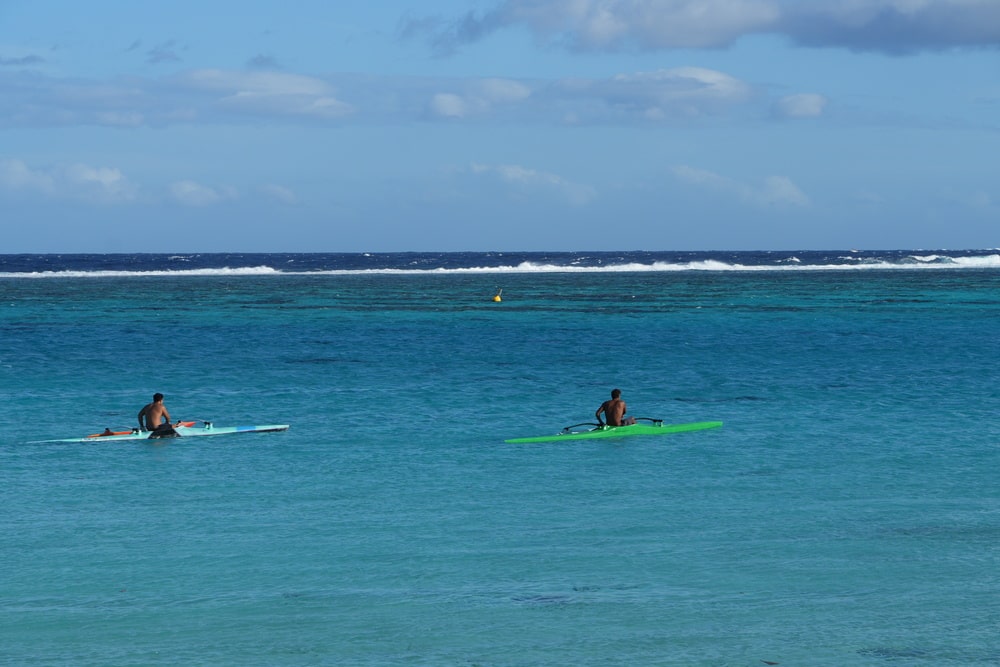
205	96
30	96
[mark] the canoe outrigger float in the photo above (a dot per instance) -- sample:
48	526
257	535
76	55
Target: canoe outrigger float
185	429
655	427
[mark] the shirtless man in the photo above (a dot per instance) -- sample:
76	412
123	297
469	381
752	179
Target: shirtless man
613	410
157	418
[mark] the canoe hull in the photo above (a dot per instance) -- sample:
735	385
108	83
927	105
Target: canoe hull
621	432
182	432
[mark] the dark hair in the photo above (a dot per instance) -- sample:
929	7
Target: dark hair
615	393
157	397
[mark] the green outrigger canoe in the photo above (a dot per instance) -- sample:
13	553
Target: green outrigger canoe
655	427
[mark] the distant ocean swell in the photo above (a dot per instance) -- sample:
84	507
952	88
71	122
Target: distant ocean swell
260	264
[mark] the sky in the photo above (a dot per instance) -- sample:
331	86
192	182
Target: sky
493	125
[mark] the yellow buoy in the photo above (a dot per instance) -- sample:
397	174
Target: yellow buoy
497	298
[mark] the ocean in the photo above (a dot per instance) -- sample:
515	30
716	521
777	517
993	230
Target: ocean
847	513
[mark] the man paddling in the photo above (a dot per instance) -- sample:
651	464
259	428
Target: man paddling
614	411
156	418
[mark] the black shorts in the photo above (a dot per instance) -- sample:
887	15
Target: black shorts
163	431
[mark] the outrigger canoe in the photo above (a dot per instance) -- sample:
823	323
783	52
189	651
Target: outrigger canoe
184	430
656	427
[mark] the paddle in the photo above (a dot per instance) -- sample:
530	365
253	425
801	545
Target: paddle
600	425
583	424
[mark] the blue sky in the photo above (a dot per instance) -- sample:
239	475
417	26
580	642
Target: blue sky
449	125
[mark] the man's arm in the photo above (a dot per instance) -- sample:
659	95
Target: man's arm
597	414
142	413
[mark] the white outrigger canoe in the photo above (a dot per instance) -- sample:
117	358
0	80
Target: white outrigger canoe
184	430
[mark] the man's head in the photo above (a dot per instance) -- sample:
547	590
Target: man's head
615	393
157	397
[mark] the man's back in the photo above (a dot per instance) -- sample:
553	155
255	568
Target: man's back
154	414
614	410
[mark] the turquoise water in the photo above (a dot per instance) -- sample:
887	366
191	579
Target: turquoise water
848	513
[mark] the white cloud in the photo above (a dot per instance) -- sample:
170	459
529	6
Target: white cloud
478	97
776	190
679	92
617	24
525	179
206	95
75	181
502	91
676	24
703	177
267	93
235	82
802	105
103	182
686	90
448	105
279	193
191	193
781	190
16	175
